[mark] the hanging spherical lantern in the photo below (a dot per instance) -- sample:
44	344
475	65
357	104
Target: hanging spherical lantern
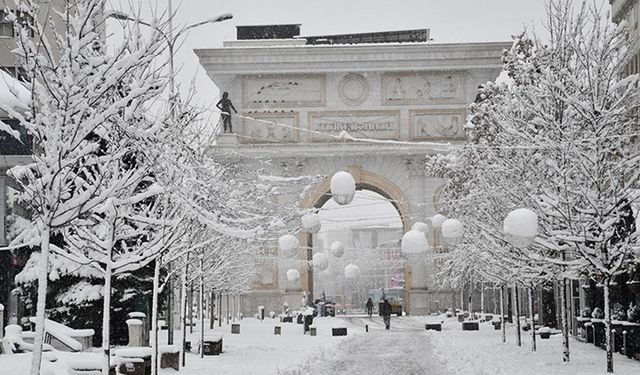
351	271
452	231
343	187
437	220
320	261
414	242
311	222
337	249
288	245
521	227
293	274
420	227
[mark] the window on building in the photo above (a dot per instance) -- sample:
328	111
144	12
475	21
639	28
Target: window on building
6	27
16	72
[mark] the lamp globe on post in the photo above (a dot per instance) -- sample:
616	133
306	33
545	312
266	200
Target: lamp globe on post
420	226
343	188
288	245
293	275
437	220
337	249
520	228
311	222
320	261
414	242
452	231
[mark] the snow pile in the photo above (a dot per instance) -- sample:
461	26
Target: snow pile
288	245
12	93
343	187
320	261
337	249
414	242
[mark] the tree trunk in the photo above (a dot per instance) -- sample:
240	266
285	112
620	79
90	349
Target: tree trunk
183	313
106	316
502	321
533	321
201	303
190	308
43	278
220	309
607	324
154	318
212	312
516	312
565	324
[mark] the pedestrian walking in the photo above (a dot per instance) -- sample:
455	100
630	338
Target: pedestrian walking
369	307
385	311
225	106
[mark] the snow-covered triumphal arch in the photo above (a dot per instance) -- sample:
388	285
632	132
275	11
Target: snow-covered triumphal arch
296	95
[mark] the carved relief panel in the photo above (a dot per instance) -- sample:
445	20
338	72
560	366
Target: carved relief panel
438	124
291	90
359	124
270	128
423	88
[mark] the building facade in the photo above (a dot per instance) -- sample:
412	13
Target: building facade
629	11
298	97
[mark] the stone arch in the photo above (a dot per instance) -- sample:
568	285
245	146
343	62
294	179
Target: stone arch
365	180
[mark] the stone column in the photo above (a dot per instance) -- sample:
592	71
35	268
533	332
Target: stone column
145	326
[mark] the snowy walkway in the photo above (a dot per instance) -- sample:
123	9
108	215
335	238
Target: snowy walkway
405	349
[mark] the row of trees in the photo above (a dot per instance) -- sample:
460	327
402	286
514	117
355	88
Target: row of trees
119	180
558	133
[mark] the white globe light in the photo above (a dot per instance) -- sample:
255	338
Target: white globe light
521	227
293	275
420	227
320	261
437	220
337	249
351	271
311	222
343	187
414	242
452	230
288	245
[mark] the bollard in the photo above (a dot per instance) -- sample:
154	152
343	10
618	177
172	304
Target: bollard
135	332
624	342
366	328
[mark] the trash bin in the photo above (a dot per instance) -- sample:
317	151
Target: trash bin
212	344
169	356
134	360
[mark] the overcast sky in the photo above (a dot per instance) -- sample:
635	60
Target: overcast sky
449	21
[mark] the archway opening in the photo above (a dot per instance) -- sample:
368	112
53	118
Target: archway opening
370	229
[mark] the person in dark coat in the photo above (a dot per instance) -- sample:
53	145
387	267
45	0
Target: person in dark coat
226	106
385	311
369	307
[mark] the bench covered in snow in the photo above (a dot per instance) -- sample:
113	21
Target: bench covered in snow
66	339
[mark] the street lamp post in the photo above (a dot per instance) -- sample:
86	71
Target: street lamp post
520	228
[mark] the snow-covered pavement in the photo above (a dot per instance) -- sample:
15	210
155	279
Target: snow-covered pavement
406	349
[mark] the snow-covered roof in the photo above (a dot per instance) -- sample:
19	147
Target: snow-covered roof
13	94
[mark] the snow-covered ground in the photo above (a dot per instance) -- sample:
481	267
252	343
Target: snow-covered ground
405	349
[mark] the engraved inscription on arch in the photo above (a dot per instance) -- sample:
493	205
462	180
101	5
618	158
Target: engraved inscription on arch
422	88
282	91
